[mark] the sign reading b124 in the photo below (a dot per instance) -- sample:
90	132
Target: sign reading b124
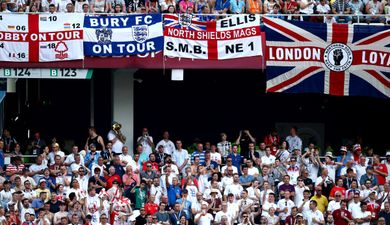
30	73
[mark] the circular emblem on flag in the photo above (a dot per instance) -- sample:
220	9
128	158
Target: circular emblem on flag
338	57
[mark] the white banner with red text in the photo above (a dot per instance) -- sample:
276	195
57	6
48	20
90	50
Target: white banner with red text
41	37
229	38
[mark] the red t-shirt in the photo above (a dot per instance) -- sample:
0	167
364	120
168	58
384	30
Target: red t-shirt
382	168
154	166
151	208
112	179
374	208
335	189
338	220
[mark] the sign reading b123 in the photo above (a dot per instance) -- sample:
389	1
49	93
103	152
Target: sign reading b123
122	35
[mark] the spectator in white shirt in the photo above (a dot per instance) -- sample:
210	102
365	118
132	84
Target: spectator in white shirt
362	216
334	204
180	156
169	147
145	140
314	216
268	159
284	206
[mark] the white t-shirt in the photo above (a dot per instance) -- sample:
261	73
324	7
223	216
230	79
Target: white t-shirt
268	159
323	8
204	220
179	157
343	171
225	167
309	9
117	146
253	171
353	207
282	204
220	214
267	206
216	156
309	215
333	205
235	189
358	214
331	171
169	147
298	198
146	148
53	154
70	159
360	170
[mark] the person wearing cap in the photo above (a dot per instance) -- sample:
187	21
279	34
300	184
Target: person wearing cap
382	221
331	165
373	206
357	152
299	220
342	216
380	170
343	158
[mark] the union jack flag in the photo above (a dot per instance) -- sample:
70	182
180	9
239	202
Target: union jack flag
334	59
184	20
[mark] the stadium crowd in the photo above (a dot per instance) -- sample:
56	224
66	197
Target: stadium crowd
269	181
347	10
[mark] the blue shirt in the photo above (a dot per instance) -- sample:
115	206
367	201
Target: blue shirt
201	156
186	208
236	7
95	158
364	178
48	186
37	204
172	191
1	158
220	5
236	161
246	179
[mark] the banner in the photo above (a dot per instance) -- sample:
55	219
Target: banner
334	59
122	35
41	37
232	37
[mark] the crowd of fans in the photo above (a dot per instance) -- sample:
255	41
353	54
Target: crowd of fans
269	181
355	10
